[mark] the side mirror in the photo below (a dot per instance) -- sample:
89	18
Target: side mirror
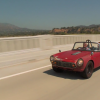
59	50
92	53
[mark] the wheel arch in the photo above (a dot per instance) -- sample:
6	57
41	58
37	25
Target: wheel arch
92	62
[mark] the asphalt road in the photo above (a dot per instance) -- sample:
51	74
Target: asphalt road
36	81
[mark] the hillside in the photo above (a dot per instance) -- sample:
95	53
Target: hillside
9	28
78	29
5	27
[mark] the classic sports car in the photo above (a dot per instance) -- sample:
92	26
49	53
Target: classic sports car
84	57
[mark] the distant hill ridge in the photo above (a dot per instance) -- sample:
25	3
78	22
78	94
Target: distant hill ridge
78	29
6	27
10	28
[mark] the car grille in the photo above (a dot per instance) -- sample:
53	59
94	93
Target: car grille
64	64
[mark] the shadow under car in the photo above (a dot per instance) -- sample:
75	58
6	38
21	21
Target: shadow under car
67	74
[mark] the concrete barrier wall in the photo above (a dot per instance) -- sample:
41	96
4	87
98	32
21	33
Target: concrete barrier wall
19	43
69	39
42	42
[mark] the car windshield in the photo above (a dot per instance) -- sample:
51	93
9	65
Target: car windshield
87	46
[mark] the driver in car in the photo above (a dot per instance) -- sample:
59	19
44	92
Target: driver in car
86	46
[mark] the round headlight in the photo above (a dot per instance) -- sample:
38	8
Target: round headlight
80	62
52	58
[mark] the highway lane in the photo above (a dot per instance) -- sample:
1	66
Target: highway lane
45	84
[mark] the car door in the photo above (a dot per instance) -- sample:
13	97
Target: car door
96	58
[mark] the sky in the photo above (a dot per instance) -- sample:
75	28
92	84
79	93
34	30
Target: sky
49	14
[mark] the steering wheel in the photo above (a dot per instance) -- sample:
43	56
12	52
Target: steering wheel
81	48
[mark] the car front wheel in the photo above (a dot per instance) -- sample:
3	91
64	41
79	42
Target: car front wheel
87	73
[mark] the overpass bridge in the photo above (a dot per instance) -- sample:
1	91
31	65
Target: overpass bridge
26	72
15	50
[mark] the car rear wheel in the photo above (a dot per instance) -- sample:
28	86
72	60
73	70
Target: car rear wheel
87	73
58	70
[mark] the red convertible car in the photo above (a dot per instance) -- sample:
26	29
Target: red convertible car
84	57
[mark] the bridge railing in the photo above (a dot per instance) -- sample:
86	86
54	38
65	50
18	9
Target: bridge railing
41	42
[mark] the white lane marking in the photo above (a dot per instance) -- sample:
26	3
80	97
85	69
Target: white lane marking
23	72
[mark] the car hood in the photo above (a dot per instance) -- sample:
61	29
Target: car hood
72	55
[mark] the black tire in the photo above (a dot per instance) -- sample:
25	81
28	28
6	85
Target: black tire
58	70
87	73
